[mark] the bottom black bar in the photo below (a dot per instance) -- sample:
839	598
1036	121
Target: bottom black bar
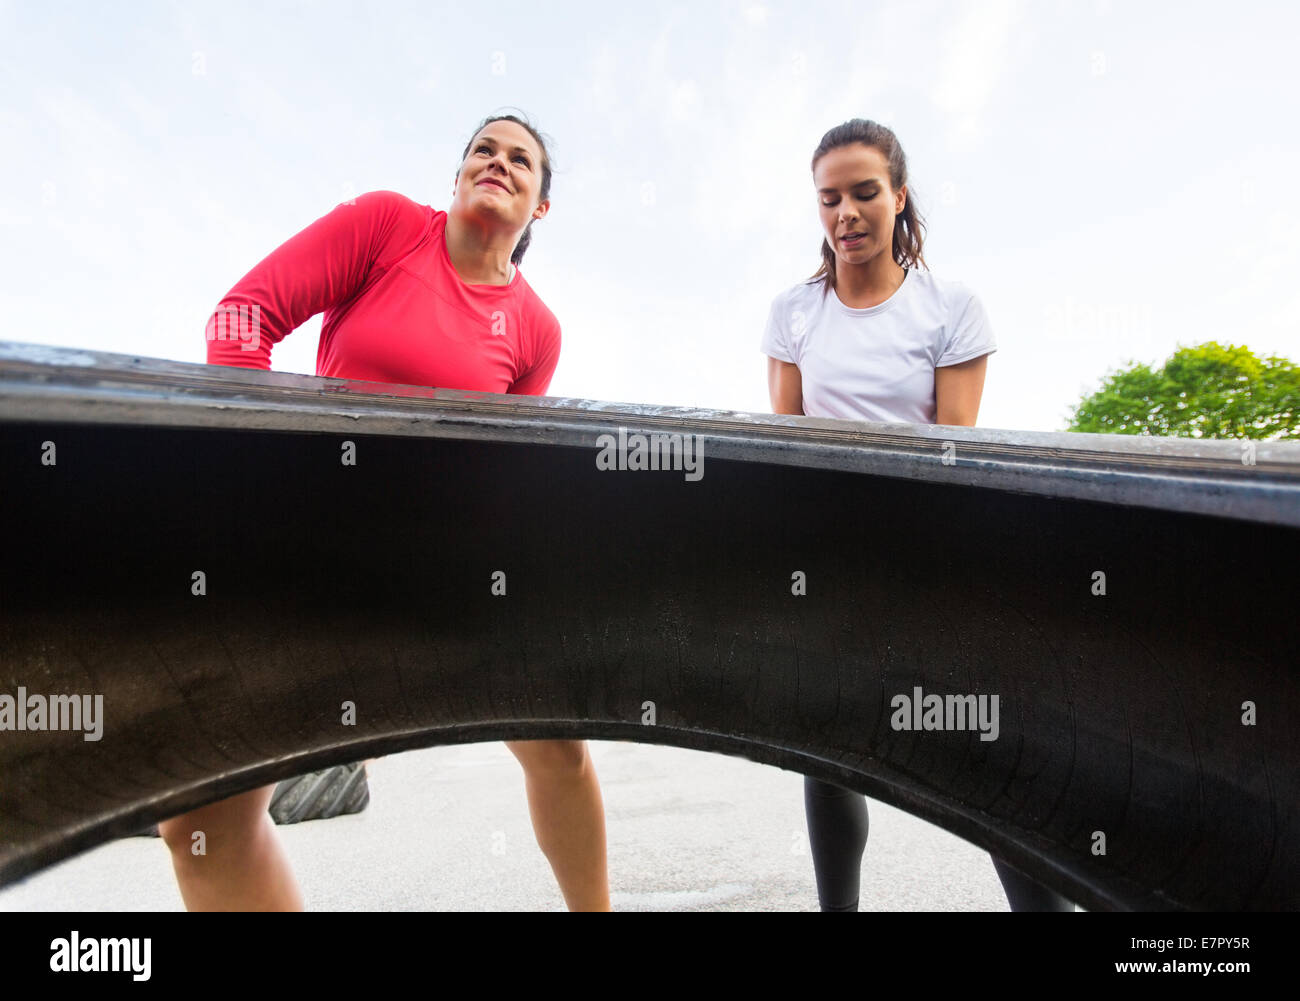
336	951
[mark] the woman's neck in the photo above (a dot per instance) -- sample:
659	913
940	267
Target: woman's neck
861	286
480	256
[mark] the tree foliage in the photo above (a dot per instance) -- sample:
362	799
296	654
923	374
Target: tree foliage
1207	391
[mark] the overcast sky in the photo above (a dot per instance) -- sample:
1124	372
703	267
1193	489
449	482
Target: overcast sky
1113	180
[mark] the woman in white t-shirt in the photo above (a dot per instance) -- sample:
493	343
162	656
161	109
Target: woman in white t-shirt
871	337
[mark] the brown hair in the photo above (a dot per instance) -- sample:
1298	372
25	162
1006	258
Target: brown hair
527	238
909	227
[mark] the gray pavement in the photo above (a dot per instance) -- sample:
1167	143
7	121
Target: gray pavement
447	829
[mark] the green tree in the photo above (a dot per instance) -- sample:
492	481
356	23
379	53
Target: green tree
1208	391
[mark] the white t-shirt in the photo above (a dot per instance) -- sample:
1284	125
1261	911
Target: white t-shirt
877	364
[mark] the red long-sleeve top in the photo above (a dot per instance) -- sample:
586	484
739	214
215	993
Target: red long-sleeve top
395	308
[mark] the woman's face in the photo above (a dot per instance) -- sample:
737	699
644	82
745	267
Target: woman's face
857	202
501	178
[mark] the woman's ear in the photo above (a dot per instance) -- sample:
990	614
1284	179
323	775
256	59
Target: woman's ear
542	208
900	199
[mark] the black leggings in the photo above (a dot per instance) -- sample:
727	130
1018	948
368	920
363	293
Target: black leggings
837	833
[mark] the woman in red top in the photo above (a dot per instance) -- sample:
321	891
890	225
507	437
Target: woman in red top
415	296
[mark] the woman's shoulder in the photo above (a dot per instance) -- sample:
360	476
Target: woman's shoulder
948	291
393	201
533	305
393	209
800	293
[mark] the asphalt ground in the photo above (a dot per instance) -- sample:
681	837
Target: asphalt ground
447	829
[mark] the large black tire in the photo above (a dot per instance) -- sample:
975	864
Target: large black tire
1146	754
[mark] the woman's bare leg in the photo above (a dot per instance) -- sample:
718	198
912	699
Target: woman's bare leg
244	868
568	817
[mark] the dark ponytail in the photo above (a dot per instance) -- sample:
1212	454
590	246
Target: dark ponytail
909	227
545	193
